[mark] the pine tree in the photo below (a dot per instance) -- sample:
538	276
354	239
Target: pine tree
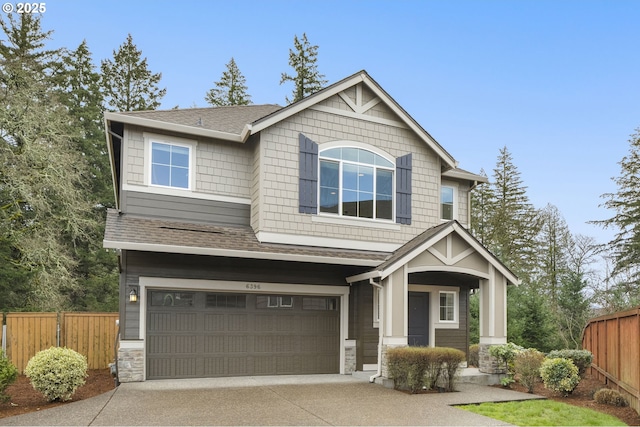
231	89
126	81
303	59
625	202
512	223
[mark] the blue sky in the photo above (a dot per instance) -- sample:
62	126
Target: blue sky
556	82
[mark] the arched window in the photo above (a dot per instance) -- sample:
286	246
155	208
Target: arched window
355	182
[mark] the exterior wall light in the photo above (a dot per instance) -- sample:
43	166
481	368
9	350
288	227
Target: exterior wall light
133	295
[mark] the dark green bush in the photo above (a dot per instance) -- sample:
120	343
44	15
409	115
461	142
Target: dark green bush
581	358
526	367
610	397
8	374
418	368
474	355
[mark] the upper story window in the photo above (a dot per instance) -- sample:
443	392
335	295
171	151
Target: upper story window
447	206
170	165
355	182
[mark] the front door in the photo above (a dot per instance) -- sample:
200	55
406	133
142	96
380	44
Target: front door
419	319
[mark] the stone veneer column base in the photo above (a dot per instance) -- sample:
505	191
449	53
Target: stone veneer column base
349	357
487	363
130	365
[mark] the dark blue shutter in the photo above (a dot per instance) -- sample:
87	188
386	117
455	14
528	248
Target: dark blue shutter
308	176
403	189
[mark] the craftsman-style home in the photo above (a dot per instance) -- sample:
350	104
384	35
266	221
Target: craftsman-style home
267	240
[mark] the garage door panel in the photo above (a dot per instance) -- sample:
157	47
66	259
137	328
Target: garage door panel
230	335
214	322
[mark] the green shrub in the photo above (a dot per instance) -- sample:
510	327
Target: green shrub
581	358
418	368
8	374
57	372
610	397
560	375
450	359
506	354
474	355
526	367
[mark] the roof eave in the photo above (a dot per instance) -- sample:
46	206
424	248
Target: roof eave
173	127
192	250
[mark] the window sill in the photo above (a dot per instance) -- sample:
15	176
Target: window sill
360	222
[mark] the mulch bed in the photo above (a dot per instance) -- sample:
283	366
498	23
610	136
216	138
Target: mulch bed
24	398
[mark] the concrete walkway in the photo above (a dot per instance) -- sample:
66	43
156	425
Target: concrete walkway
279	400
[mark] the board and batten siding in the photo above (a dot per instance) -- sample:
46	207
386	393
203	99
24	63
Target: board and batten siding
149	264
185	208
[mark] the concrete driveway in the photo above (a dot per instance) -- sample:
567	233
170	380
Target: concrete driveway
283	400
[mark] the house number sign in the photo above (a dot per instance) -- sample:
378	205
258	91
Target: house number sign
253	286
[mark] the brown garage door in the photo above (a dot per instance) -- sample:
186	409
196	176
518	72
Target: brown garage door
200	334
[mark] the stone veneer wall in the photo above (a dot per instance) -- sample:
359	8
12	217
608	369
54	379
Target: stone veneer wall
130	365
488	364
349	357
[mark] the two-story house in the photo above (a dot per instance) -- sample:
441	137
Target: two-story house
261	240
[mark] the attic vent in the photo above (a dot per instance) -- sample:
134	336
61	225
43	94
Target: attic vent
190	229
199	122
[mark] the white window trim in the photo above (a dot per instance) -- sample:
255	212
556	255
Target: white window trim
455	206
150	138
366	147
376	307
455	306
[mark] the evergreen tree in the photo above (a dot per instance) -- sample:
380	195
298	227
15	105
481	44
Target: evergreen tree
231	89
45	207
625	202
573	310
127	83
511	222
482	200
554	244
307	79
97	268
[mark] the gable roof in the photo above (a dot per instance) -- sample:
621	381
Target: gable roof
336	88
425	240
238	123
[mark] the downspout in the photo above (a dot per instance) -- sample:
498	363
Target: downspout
381	301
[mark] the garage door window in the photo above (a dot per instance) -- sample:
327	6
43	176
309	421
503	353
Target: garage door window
319	303
172	299
274	301
226	301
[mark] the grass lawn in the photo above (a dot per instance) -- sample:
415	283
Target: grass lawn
543	413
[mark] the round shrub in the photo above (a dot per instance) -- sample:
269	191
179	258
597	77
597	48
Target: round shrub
57	372
560	375
610	397
527	367
581	358
506	354
8	374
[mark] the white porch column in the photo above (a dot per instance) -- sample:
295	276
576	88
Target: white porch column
493	317
394	319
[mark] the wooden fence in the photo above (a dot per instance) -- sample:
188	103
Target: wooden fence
90	334
614	341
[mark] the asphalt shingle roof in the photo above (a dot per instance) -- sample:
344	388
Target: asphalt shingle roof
231	119
130	229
